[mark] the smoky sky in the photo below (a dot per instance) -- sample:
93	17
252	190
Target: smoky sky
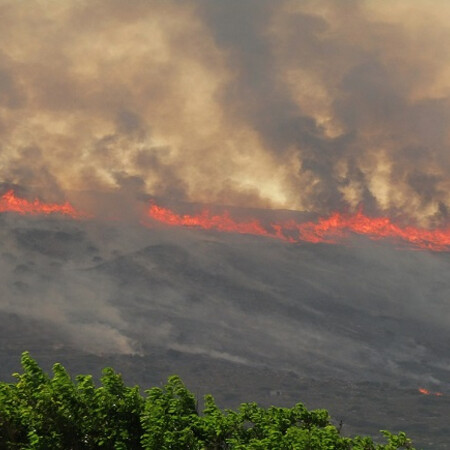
308	105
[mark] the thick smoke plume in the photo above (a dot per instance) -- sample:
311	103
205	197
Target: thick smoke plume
312	105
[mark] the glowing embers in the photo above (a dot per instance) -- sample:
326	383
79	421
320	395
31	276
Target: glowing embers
10	203
424	391
333	229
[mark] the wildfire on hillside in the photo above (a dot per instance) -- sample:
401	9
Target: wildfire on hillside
332	229
336	228
9	202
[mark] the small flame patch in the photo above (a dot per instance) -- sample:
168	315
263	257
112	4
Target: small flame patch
424	391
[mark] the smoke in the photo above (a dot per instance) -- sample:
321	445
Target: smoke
315	105
45	277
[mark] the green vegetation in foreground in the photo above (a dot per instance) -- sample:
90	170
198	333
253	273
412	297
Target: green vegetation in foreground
39	412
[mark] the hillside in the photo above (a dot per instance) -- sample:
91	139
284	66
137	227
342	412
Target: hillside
363	324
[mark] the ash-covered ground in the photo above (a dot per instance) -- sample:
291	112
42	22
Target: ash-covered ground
356	329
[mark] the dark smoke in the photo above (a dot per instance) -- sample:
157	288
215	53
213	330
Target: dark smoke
314	105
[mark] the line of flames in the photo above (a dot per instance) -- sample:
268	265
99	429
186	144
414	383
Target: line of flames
9	202
332	229
335	228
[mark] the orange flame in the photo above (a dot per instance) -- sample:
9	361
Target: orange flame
427	392
207	221
10	203
332	229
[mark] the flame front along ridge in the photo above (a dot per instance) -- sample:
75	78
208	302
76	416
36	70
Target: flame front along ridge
335	228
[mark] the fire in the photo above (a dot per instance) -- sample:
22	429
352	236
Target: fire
208	221
9	202
427	392
333	229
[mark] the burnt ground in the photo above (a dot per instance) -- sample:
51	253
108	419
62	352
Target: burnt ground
354	329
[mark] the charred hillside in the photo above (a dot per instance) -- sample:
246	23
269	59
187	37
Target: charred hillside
338	326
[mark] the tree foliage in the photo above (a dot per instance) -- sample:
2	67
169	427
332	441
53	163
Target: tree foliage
41	412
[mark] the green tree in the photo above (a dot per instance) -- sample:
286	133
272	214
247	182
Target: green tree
40	412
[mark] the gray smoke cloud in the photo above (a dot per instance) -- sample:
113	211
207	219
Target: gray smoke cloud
314	105
45	278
